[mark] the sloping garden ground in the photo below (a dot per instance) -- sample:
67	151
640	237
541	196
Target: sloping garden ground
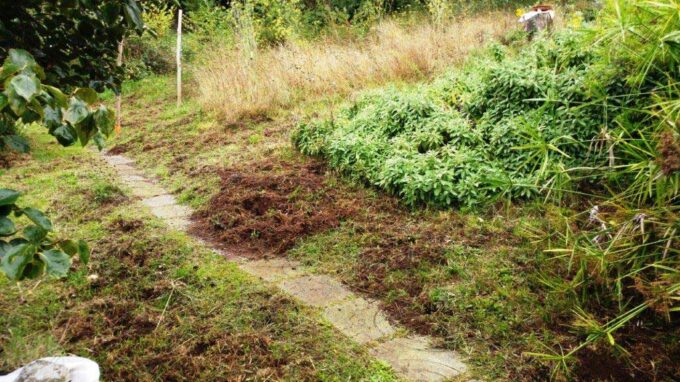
153	305
465	205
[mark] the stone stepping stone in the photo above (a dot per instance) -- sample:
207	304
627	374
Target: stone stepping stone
159	201
115	160
272	270
125	169
171	211
146	189
314	290
127	178
359	319
179	224
414	359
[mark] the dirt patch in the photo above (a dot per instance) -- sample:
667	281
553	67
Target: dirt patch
264	208
118	149
669	153
126	226
649	359
8	158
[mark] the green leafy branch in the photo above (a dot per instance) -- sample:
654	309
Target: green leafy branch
25	99
32	251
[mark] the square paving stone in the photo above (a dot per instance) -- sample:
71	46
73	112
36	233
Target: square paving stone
159	201
180	224
171	211
359	320
117	159
315	290
272	270
146	189
414	359
132	178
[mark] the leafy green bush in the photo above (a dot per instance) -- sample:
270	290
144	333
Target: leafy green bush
76	42
33	252
469	137
152	52
25	99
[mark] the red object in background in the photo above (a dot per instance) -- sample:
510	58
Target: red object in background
542	7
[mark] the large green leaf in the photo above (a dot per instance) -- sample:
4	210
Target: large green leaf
65	134
86	129
26	86
52	117
59	97
7	227
6	210
20	58
77	111
104	118
16	60
16	102
35	234
8	196
83	252
57	263
69	246
133	15
38	218
4	247
15	260
30	116
86	94
34	269
3	101
110	12
16	143
99	140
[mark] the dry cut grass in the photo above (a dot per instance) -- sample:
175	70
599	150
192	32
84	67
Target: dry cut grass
238	84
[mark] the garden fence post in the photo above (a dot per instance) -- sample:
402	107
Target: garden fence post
119	63
179	58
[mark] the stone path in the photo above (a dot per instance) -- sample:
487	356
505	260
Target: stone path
412	357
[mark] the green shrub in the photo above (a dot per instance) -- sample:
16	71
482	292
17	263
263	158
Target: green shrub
470	136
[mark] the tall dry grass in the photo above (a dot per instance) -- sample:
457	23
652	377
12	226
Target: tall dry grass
239	83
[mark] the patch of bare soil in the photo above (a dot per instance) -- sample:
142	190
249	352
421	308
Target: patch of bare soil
118	149
264	208
651	358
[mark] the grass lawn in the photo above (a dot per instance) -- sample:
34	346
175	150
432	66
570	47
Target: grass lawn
153	305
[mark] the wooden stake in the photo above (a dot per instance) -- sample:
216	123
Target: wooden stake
179	58
119	63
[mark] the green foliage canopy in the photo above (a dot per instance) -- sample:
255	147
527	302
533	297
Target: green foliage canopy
26	99
75	41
